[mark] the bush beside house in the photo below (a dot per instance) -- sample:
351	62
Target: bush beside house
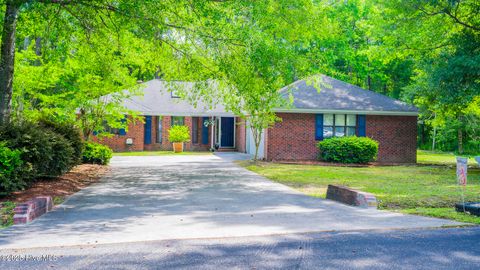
96	153
29	151
350	149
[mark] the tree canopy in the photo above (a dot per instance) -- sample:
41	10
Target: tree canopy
61	56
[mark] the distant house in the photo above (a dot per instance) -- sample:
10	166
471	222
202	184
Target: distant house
336	109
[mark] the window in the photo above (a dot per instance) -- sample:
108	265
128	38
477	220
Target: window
115	131
339	125
178	121
159	129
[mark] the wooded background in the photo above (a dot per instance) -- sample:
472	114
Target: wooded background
58	57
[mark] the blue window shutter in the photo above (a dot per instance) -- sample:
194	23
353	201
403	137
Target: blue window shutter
319	127
204	131
122	131
362	125
148	130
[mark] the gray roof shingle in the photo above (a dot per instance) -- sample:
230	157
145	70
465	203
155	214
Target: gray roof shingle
335	95
157	100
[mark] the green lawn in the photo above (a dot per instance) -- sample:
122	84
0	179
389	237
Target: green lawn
429	157
160	153
6	214
424	190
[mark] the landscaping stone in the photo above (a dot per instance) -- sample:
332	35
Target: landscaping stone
470	207
32	209
350	196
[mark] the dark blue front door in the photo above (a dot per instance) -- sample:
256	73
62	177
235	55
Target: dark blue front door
147	138
227	132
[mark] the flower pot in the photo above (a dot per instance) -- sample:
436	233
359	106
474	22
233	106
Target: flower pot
177	147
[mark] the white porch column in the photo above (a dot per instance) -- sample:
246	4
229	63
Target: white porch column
212	143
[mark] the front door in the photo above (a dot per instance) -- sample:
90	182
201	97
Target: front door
227	132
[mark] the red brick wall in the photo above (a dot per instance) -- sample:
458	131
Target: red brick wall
136	132
240	135
294	137
166	145
397	137
118	143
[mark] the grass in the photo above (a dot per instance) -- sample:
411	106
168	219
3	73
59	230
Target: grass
439	158
448	213
160	153
6	214
423	190
58	200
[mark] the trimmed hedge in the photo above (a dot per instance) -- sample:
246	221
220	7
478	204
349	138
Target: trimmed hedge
348	149
70	132
12	170
47	152
96	153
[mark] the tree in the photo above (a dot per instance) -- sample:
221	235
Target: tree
7	58
443	38
174	24
271	50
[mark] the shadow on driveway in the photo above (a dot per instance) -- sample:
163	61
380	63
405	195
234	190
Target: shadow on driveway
183	197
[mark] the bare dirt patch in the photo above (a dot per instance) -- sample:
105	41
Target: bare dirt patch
78	178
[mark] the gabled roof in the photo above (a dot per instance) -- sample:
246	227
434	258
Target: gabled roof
334	95
157	99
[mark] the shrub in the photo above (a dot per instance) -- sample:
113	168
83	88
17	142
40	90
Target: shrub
70	132
348	149
96	153
12	170
179	134
63	156
48	153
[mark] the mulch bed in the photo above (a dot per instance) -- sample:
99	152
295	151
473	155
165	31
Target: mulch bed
79	177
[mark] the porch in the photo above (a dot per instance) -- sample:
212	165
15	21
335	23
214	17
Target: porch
225	133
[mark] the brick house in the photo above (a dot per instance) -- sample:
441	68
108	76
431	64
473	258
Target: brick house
336	109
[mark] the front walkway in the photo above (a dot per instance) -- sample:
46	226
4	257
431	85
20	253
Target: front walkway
183	197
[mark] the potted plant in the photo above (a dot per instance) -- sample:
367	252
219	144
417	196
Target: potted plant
178	135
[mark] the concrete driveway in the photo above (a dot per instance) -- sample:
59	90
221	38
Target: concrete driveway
185	197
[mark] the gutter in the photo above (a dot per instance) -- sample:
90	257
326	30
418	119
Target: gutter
396	113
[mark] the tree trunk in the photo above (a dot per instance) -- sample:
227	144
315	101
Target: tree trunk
257	138
460	140
38	50
434	137
434	134
7	59
460	134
